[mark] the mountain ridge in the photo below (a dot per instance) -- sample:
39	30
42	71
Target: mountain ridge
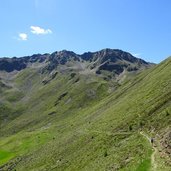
61	57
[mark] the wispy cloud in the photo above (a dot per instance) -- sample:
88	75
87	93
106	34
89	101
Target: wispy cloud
38	30
23	36
137	54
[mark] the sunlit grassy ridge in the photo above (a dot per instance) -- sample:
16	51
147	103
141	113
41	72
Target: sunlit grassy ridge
78	123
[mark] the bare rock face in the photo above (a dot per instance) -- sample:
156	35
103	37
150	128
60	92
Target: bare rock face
116	61
166	143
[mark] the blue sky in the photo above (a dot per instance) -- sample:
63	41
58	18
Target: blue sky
141	27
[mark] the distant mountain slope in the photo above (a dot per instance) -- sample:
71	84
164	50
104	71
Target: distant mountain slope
12	64
106	59
67	116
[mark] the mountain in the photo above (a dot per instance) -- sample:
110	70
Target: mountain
95	111
106	59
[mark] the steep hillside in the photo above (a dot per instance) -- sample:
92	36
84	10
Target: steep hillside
63	114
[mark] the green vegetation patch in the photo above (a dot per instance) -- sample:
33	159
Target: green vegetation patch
145	165
5	156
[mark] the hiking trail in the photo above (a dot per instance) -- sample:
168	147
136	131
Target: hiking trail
153	162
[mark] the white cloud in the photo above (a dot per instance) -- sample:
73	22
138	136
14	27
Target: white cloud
38	30
23	36
137	55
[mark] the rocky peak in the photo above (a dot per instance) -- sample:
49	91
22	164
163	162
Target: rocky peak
112	60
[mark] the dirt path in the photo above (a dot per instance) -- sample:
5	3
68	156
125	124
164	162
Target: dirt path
153	162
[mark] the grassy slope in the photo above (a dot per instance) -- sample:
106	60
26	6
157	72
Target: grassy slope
88	129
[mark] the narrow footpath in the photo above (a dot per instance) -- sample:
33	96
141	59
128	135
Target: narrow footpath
153	161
